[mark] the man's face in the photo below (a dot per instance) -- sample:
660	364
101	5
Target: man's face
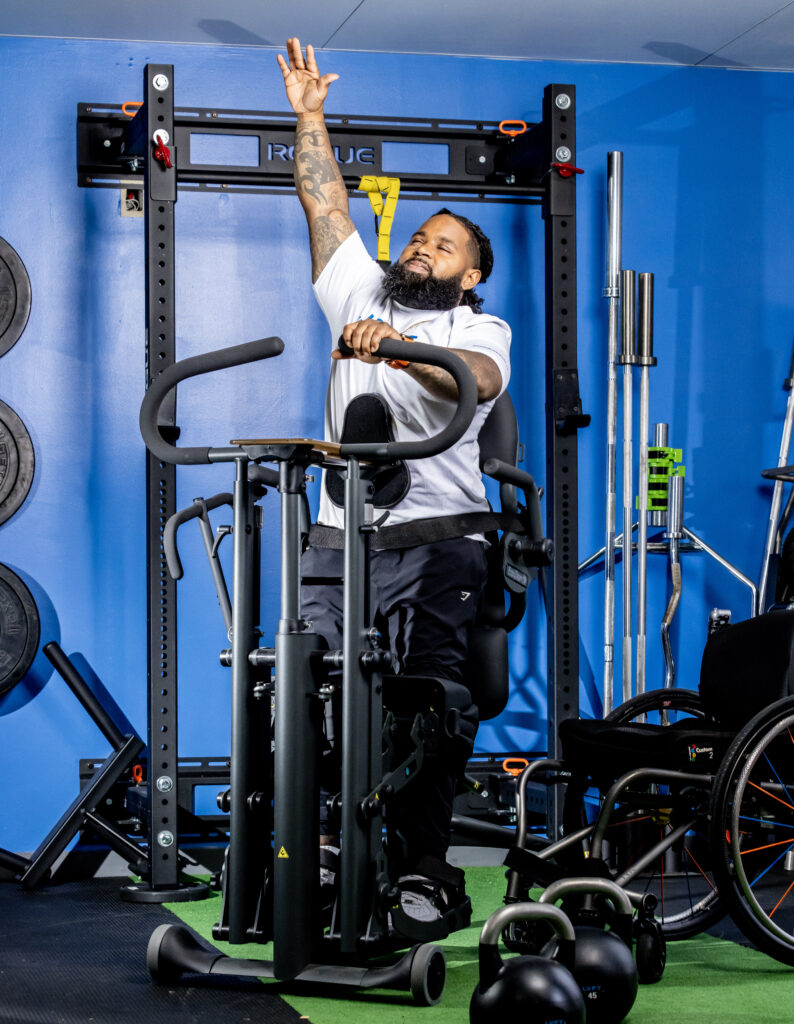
435	268
441	247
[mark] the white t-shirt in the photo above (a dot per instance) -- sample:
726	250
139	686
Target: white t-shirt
350	288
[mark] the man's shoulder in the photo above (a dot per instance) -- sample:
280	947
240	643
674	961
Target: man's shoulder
351	257
351	277
464	318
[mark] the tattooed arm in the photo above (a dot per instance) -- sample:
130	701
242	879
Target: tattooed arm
319	183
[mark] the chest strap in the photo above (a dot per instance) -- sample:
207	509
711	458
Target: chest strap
421	531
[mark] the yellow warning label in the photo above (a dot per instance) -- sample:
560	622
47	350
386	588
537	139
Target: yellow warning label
282	854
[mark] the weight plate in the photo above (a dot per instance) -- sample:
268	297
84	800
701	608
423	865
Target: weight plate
17	462
19	629
14	297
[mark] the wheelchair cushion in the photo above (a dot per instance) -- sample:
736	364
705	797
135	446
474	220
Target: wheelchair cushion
607	750
746	667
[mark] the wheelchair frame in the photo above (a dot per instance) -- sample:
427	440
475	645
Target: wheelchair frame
743	814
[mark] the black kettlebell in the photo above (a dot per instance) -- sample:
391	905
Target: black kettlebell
526	989
603	964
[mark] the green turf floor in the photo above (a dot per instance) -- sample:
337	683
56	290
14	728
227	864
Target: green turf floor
706	979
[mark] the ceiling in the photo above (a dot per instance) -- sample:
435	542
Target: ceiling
714	33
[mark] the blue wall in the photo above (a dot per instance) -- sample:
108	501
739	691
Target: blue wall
707	209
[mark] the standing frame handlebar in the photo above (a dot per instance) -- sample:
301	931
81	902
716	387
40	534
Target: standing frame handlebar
432	355
266	348
208	362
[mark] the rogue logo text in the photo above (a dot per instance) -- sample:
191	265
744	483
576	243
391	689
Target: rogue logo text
343	154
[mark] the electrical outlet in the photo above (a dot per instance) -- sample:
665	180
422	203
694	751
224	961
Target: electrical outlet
132	202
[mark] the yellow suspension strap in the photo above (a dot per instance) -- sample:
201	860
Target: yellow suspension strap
377	187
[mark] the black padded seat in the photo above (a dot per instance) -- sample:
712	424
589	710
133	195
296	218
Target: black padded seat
606	750
407	694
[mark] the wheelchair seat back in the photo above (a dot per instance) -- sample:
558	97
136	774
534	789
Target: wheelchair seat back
746	667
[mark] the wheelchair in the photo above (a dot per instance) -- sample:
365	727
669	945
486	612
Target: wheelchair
684	798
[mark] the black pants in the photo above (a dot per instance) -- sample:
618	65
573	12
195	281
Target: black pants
426	599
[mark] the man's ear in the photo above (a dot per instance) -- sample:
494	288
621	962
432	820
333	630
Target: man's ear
470	279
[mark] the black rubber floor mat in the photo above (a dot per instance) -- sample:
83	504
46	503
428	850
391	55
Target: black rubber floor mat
76	954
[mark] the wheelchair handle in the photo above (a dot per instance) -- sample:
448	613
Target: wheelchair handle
162	384
418	352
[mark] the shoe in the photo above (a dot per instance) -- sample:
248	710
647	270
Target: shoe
424	899
432	900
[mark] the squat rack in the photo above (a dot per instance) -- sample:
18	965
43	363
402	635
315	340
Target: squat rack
152	153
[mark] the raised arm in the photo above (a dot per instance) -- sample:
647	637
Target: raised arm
319	183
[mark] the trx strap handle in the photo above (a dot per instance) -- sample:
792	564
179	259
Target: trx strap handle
161	385
376	186
432	355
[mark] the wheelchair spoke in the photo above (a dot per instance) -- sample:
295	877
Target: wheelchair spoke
687	898
769	867
785	894
708	881
767	793
782	784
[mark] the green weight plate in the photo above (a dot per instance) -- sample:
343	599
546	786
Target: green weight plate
19	629
17	462
14	297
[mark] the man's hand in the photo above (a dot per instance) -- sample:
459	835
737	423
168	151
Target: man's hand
306	88
364	337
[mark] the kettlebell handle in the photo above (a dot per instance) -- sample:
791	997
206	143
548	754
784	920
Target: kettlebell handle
623	923
596	886
491	961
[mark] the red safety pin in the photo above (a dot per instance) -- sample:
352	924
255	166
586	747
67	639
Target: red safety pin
566	170
161	151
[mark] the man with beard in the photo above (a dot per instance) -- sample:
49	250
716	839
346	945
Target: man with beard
426	593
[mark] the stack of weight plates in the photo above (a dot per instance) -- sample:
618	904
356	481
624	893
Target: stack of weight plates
19	618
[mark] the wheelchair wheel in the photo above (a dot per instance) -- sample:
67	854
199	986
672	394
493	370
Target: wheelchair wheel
752	830
681	877
659	706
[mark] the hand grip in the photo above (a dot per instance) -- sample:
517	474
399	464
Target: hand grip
198	509
220	359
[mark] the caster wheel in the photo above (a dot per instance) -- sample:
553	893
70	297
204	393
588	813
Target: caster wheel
651	954
428	975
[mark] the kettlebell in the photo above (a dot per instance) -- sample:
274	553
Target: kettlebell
526	989
603	966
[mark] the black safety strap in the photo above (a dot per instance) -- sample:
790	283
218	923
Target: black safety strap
421	531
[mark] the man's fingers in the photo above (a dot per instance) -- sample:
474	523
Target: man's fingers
285	70
327	79
297	53
311	62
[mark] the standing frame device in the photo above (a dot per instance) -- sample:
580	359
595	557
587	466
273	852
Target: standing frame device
151	153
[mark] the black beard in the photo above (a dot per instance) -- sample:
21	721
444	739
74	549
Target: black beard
421	291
